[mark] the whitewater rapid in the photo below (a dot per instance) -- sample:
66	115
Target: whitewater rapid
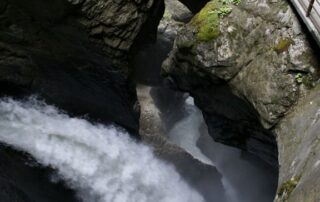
230	162
186	134
101	162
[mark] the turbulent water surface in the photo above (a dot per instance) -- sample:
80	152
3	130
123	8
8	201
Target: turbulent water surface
186	132
243	180
102	163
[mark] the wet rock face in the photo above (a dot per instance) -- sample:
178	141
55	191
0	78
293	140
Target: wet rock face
258	46
257	49
153	128
116	24
11	193
23	180
59	50
233	121
255	77
177	11
49	49
147	60
299	151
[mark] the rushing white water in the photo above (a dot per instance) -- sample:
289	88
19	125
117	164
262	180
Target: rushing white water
186	132
101	162
243	180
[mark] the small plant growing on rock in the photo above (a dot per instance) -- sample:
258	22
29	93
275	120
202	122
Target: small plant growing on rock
224	11
287	187
306	80
283	45
299	78
207	21
236	2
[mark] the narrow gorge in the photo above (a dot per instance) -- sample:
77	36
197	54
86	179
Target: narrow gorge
158	101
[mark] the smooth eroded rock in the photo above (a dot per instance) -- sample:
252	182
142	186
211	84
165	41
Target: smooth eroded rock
258	51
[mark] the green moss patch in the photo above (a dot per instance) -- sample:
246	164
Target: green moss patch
208	19
224	11
305	79
207	22
287	187
283	45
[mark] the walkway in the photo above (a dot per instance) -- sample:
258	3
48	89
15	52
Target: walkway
309	11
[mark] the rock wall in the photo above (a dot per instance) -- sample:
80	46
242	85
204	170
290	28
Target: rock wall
147	60
203	177
74	54
298	139
115	25
22	180
253	74
161	108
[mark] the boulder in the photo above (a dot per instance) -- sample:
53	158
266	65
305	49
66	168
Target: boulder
73	54
253	73
147	59
252	51
299	151
205	178
116	25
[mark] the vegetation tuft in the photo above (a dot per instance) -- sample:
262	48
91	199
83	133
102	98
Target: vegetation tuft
208	19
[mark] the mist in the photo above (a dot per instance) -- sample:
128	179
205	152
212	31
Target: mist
102	163
245	177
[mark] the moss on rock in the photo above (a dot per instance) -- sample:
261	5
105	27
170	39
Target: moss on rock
306	80
287	187
283	45
207	22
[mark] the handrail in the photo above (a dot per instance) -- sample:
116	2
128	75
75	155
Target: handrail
310	7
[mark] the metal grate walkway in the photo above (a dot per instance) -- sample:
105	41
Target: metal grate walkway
309	11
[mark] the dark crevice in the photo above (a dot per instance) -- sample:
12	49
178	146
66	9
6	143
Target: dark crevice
194	6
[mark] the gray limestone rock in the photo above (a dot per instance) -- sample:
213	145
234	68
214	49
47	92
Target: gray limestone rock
248	65
260	46
298	137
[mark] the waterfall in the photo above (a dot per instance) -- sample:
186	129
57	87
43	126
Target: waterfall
243	180
186	134
101	162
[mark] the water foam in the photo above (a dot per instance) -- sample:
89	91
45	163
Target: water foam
186	132
230	162
101	162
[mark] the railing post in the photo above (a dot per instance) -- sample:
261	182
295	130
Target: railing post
310	7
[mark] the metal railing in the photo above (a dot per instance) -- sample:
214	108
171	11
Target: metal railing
310	7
